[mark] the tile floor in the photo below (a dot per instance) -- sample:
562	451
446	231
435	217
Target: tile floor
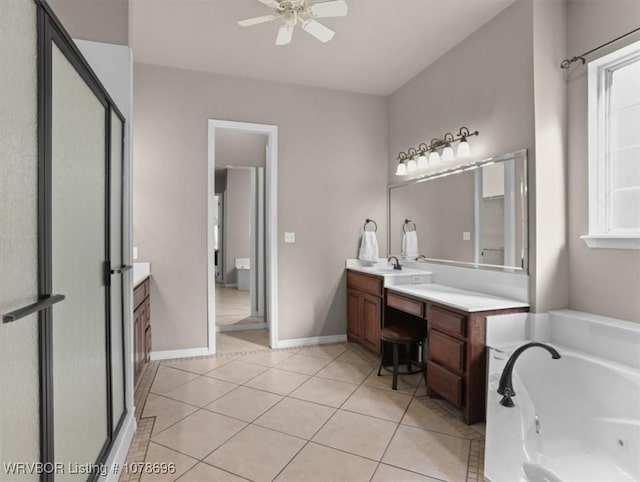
233	306
241	341
310	414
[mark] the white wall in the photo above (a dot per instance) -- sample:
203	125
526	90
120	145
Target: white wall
332	175
601	281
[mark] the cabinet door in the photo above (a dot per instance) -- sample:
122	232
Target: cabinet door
370	319
136	347
353	315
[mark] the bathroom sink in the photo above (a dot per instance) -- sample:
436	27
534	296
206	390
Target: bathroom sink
390	271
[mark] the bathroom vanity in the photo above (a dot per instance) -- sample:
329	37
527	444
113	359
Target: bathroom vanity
455	322
141	317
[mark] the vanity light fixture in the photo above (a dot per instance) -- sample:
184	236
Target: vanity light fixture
402	166
425	156
447	152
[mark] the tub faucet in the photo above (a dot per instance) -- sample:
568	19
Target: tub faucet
397	264
505	387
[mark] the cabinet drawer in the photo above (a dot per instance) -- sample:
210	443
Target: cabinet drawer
447	321
362	282
407	305
447	351
140	292
445	383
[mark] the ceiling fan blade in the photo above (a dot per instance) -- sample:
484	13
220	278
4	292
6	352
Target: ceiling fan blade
337	8
285	34
257	20
270	3
318	30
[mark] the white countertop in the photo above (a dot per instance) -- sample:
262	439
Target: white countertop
141	271
463	300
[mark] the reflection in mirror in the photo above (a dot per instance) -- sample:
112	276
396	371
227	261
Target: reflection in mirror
472	215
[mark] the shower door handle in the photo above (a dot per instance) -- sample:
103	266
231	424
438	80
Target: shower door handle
122	269
40	305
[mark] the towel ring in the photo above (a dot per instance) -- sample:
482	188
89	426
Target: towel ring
368	221
406	222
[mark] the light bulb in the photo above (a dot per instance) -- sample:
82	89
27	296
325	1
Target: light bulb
402	169
434	158
464	150
412	165
422	161
447	153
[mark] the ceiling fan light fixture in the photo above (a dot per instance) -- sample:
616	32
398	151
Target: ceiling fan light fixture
294	11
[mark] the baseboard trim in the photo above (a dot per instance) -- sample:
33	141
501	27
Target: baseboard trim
240	327
231	285
186	353
316	340
120	449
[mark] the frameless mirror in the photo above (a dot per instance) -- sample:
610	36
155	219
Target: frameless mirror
471	215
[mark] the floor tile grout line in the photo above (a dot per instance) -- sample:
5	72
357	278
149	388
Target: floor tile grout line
473	439
392	436
323	425
413	472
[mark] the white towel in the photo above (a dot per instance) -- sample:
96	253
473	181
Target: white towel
410	244
369	247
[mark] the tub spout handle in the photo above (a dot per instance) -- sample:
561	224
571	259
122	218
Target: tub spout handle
506	399
505	387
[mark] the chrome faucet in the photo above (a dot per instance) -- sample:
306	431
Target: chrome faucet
396	265
505	387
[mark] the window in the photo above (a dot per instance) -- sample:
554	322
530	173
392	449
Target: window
614	150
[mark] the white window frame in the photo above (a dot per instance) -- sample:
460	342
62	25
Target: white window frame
599	78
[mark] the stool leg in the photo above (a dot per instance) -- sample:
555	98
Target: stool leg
408	349
395	367
382	343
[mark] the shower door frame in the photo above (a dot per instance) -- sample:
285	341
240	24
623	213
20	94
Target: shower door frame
50	31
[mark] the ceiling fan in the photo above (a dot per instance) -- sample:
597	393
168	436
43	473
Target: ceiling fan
302	11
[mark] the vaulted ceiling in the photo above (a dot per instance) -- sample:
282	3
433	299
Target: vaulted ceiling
378	47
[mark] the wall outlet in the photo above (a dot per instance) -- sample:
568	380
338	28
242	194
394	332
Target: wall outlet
135	252
289	237
416	280
466	236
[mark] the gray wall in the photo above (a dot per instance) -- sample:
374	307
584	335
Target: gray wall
237	148
237	221
442	210
331	176
548	180
602	281
486	83
98	20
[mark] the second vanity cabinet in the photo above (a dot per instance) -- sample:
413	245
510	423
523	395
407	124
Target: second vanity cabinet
455	354
364	309
141	327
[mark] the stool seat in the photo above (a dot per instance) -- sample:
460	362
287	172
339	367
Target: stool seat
408	336
400	334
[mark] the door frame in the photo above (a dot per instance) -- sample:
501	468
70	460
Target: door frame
51	31
271	225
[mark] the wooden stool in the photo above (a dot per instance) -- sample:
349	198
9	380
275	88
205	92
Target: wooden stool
402	335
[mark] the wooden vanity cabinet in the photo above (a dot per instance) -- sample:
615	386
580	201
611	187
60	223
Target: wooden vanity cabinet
455	352
142	327
364	310
456	357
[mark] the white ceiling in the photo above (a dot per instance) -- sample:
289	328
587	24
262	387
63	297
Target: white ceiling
378	47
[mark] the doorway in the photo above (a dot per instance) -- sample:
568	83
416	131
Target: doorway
242	282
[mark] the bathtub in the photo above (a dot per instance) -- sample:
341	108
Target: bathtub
575	419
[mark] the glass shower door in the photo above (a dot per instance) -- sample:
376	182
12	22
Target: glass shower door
78	252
